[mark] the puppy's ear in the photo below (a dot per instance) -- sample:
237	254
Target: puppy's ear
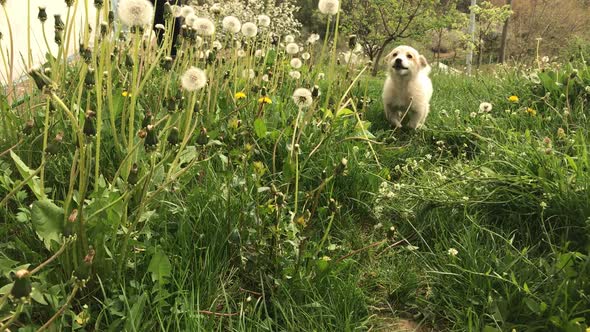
423	61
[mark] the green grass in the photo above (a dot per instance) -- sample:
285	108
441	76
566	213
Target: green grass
230	244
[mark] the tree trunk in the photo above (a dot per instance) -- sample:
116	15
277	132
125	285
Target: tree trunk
380	55
472	34
503	43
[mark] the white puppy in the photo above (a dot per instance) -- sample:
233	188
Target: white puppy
407	88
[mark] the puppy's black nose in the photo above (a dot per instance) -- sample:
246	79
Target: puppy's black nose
398	62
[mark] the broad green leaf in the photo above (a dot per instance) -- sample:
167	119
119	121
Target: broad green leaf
47	219
343	112
25	172
160	267
260	128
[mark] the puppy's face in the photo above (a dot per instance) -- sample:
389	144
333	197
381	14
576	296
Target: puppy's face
405	60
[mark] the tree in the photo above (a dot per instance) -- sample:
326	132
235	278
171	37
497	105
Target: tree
503	43
489	19
449	18
378	23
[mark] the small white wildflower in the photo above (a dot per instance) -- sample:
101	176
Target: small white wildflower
321	76
473	114
217	45
302	98
329	7
466	198
545	59
265	78
264	20
453	252
485	107
160	27
241	53
543	205
194	79
136	12
295	74
231	24
296	63
292	48
249	29
429	156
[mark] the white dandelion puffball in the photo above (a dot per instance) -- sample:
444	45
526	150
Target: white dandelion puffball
241	53
204	26
329	7
160	27
302	98
186	11
485	107
258	53
296	63
231	24
194	79
265	78
190	20
249	29
264	21
289	39
176	11
248	73
313	38
292	48
295	74
306	56
136	12
217	45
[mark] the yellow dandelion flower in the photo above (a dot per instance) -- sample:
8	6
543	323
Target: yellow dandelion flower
265	100
531	111
240	95
126	94
513	99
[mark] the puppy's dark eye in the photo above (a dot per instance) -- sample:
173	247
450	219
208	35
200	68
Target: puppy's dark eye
394	54
409	56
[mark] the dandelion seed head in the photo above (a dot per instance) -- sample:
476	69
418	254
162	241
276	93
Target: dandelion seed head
204	26
305	56
295	74
296	63
186	11
264	20
292	48
329	7
289	39
249	29
231	24
194	79
135	12
302	98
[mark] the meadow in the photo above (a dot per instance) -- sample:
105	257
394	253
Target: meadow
252	183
